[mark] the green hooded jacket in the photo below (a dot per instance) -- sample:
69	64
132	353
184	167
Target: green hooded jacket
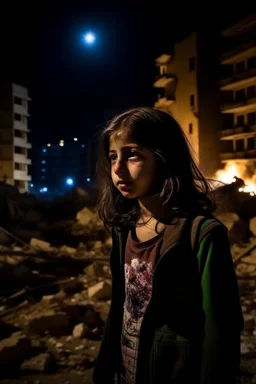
191	328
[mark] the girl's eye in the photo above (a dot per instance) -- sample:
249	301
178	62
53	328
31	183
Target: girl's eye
130	154
112	157
133	153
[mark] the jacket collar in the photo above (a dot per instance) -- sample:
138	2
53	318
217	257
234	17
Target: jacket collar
173	233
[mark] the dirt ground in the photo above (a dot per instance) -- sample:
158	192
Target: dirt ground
59	378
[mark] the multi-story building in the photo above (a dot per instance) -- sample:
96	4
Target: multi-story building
238	95
14	145
187	87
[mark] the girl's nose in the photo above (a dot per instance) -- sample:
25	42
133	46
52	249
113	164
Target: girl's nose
119	167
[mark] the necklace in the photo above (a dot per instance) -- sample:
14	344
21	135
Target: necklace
143	222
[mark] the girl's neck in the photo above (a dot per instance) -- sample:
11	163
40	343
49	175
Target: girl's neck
152	207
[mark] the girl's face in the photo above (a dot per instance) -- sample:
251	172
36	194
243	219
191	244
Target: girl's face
133	168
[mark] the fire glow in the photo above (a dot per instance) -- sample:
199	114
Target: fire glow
231	171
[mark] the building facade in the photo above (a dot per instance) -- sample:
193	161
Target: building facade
187	86
14	142
208	84
238	95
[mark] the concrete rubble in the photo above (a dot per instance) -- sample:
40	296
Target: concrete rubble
55	285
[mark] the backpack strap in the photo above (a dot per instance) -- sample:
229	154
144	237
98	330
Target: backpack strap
211	223
194	231
197	234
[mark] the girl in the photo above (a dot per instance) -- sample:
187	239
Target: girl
175	315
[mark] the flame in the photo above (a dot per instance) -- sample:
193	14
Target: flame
231	171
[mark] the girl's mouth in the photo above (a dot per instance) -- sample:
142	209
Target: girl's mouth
125	186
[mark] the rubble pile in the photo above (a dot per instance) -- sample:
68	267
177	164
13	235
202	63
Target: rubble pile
55	289
230	199
244	257
54	303
26	216
237	211
60	331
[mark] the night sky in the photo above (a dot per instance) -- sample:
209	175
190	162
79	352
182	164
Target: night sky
76	88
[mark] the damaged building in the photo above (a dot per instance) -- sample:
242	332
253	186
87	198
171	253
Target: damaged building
186	91
55	278
208	83
238	98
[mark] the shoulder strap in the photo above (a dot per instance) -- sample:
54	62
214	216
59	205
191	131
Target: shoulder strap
198	235
194	231
211	223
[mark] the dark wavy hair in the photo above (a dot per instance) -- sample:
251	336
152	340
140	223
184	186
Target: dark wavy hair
181	185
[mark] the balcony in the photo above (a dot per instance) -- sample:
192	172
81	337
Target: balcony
20	126
241	155
239	80
239	106
20	110
164	102
238	132
240	53
19	142
163	59
21	159
163	80
20	91
21	175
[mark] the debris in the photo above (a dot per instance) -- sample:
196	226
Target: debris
55	288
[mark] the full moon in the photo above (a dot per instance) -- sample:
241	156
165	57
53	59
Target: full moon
89	38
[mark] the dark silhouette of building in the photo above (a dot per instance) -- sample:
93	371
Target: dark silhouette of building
61	166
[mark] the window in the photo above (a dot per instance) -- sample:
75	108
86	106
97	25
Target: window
191	64
240	120
251	118
190	128
17	100
240	67
192	100
240	95
251	91
17	116
21	134
20	150
163	69
240	145
20	167
250	143
251	62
